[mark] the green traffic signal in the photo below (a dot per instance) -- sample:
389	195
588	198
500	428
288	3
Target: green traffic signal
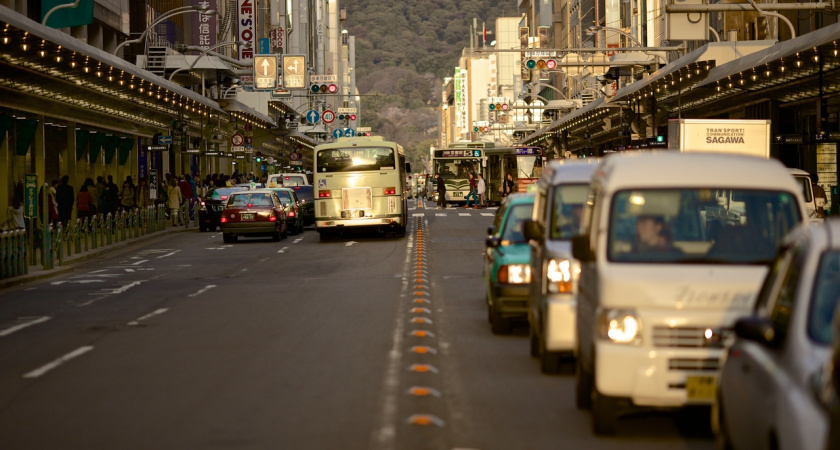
315	88
531	64
492	107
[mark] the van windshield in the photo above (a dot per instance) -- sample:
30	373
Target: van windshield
566	210
714	226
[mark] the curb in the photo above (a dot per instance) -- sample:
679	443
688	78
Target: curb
37	273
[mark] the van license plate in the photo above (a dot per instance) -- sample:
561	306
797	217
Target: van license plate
700	387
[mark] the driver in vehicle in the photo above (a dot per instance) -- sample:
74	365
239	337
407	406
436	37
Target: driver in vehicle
653	235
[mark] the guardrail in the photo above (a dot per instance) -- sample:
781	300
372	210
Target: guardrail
50	245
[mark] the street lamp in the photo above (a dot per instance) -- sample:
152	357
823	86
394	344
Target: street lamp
237	43
201	9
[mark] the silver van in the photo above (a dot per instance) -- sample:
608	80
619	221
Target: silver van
559	200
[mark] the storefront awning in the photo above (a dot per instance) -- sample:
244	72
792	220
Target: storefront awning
243	113
41	67
563	120
782	64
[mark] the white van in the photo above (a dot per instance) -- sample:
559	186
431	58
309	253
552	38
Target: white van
286	180
813	205
675	249
558	203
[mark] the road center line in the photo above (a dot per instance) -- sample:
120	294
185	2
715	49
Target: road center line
47	367
202	290
282	250
139	262
19	327
147	316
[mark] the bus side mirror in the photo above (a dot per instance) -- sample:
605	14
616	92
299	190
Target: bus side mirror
580	248
408	167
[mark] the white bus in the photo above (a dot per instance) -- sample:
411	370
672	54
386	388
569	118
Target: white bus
359	182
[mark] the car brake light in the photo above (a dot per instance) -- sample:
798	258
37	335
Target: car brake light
272	218
250	205
224	197
324	194
291	213
390	190
223	219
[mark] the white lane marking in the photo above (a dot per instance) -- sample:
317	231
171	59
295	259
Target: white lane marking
418	214
129	270
168	254
386	432
440	214
139	262
297	240
147	316
124	288
464	214
19	327
202	290
282	250
47	367
348	244
98	271
488	214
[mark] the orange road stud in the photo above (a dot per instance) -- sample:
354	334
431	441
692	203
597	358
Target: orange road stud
420	311
422	391
422	333
423	368
425	420
423	350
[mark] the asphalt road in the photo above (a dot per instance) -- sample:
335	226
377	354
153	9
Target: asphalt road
363	342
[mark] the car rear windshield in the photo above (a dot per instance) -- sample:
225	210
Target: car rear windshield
824	298
712	226
249	200
224	193
304	192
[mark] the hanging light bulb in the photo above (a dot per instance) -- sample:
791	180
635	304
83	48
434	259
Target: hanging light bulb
24	46
754	76
42	52
816	57
782	68
718	88
729	85
58	58
768	72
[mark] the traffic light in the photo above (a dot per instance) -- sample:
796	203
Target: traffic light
352	117
324	88
259	159
660	139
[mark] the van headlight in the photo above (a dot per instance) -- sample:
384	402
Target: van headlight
620	326
559	274
514	274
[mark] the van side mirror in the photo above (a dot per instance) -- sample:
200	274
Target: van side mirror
532	230
756	329
581	249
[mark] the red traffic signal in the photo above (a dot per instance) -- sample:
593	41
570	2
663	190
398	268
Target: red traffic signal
352	117
332	88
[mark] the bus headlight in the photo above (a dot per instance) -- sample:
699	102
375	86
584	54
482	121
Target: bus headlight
514	274
558	275
620	326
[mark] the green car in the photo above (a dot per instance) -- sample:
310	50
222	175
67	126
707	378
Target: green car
507	271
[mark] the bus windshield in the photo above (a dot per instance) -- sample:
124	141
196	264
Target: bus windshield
354	159
456	168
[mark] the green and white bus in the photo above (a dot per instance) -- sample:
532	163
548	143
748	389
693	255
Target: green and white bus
454	165
359	182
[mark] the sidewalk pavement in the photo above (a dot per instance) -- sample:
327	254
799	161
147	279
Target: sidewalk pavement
37	272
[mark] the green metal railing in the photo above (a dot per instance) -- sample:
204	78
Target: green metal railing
52	244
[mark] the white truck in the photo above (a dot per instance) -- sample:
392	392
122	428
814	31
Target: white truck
737	136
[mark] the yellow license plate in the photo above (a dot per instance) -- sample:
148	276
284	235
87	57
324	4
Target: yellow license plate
700	387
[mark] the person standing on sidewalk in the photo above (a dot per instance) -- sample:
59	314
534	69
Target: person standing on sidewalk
65	197
441	190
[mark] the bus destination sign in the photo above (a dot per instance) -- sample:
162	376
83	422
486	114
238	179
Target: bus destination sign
459	153
527	151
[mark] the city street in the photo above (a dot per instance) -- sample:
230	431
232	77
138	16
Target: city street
363	342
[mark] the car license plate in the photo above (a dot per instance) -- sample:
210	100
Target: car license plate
700	387
248	216
457	194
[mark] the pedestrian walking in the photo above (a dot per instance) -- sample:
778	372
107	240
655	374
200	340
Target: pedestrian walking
473	194
65	197
143	200
174	199
111	197
480	188
441	190
99	196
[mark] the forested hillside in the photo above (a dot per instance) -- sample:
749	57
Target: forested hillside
403	51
